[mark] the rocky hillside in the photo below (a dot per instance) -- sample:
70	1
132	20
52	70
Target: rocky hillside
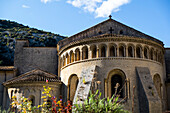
10	31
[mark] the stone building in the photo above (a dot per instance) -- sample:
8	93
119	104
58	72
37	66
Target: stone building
103	55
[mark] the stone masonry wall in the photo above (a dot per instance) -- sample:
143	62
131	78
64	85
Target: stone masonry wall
105	65
29	58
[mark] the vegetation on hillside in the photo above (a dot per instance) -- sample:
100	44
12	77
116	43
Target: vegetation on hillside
10	31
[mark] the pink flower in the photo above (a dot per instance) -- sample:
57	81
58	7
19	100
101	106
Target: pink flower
47	81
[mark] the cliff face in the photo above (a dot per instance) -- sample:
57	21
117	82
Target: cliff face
10	31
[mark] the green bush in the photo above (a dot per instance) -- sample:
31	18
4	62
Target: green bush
94	104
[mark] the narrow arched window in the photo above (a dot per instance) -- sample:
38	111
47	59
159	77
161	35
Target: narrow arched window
138	52
103	51
71	56
77	55
73	83
85	53
146	53
112	51
151	54
116	85
68	59
121	51
130	51
94	51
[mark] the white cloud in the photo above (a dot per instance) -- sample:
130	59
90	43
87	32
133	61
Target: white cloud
87	5
25	6
45	1
101	8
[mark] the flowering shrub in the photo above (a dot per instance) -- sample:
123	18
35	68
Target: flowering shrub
23	105
94	104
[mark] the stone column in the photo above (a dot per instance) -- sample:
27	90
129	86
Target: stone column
142	51
126	51
105	82
117	49
97	55
74	58
99	52
107	51
66	60
134	52
89	53
81	54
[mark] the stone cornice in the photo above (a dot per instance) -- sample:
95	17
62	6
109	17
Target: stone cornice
111	37
35	84
8	68
110	58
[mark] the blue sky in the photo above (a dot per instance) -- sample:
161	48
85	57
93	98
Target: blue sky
67	17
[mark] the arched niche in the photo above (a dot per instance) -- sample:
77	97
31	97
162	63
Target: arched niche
138	51
93	51
146	52
112	51
72	86
130	51
151	53
157	83
122	51
116	76
84	53
71	56
77	54
32	99
103	49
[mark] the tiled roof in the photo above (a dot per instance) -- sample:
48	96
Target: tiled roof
34	76
7	68
93	31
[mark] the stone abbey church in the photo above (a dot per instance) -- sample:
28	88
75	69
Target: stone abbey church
102	56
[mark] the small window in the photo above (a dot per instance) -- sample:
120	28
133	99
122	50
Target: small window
130	51
112	51
121	51
103	51
100	32
121	32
